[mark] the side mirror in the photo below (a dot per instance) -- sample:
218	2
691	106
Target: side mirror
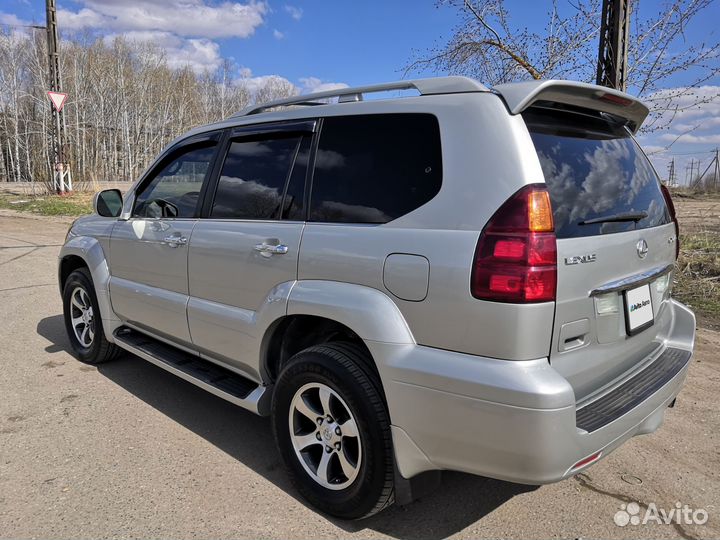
108	203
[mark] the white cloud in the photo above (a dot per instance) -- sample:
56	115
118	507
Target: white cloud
270	84
313	84
200	55
18	28
183	28
187	18
691	138
269	87
295	12
82	19
12	19
277	34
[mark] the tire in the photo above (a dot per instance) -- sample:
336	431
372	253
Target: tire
89	346
356	394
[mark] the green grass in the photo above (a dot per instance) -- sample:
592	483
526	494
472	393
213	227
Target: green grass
76	204
698	275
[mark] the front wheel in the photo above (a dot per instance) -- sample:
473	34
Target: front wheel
333	431
82	319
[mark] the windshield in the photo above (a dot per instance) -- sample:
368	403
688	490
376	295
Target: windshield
599	180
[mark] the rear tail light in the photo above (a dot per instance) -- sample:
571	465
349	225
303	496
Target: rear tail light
671	208
516	255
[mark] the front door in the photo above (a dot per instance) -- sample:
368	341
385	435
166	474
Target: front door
243	253
148	251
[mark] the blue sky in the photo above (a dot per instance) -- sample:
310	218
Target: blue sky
317	44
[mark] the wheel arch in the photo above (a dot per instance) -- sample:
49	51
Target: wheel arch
68	264
320	311
87	252
294	333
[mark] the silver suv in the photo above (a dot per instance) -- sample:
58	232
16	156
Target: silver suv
465	279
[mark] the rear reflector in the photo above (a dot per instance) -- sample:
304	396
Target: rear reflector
587	461
516	256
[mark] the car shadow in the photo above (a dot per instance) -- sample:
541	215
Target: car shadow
461	499
53	329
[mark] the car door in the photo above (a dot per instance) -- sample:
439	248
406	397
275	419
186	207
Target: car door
244	250
148	251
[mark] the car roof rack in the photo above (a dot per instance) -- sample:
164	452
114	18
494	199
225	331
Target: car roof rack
430	86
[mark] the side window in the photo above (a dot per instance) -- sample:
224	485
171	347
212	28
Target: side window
175	190
253	177
375	168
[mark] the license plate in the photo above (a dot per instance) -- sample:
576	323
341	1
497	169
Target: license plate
638	309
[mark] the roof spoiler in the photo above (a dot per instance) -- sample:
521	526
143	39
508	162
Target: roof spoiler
520	96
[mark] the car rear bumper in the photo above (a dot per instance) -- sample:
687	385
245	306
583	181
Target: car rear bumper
518	420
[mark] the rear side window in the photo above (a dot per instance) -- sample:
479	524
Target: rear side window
599	180
253	177
375	168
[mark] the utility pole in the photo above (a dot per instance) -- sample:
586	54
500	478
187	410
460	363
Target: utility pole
714	182
613	49
62	180
689	170
671	174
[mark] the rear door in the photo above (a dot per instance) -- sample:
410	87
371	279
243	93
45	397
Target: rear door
248	240
615	242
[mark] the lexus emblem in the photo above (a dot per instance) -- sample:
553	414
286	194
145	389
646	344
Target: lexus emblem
642	248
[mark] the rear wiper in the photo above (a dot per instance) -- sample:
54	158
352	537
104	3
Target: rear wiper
625	216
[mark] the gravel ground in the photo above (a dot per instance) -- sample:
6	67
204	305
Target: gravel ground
128	450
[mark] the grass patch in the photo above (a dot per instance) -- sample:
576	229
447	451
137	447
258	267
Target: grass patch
698	275
76	204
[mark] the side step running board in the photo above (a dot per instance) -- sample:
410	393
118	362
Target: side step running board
209	376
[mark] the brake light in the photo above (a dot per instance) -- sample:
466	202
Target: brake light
671	208
516	255
615	100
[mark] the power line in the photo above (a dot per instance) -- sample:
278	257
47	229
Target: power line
666	153
36	26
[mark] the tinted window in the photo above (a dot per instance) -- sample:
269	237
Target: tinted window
252	180
375	168
294	206
175	190
594	170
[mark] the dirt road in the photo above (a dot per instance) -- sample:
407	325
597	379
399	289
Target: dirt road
128	450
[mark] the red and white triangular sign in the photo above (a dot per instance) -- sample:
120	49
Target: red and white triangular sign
58	100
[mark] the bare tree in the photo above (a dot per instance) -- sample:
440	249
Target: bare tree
125	104
488	46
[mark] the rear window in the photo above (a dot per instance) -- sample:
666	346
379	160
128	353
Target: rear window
375	168
599	180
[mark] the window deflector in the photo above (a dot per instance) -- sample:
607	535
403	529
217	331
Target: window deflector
289	128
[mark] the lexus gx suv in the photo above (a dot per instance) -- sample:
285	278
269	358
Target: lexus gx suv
465	279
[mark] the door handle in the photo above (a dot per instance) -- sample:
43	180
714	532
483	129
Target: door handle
268	249
175	241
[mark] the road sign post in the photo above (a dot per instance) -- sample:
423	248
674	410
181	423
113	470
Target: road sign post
62	181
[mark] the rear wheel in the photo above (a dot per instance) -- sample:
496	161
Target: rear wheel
82	319
333	430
